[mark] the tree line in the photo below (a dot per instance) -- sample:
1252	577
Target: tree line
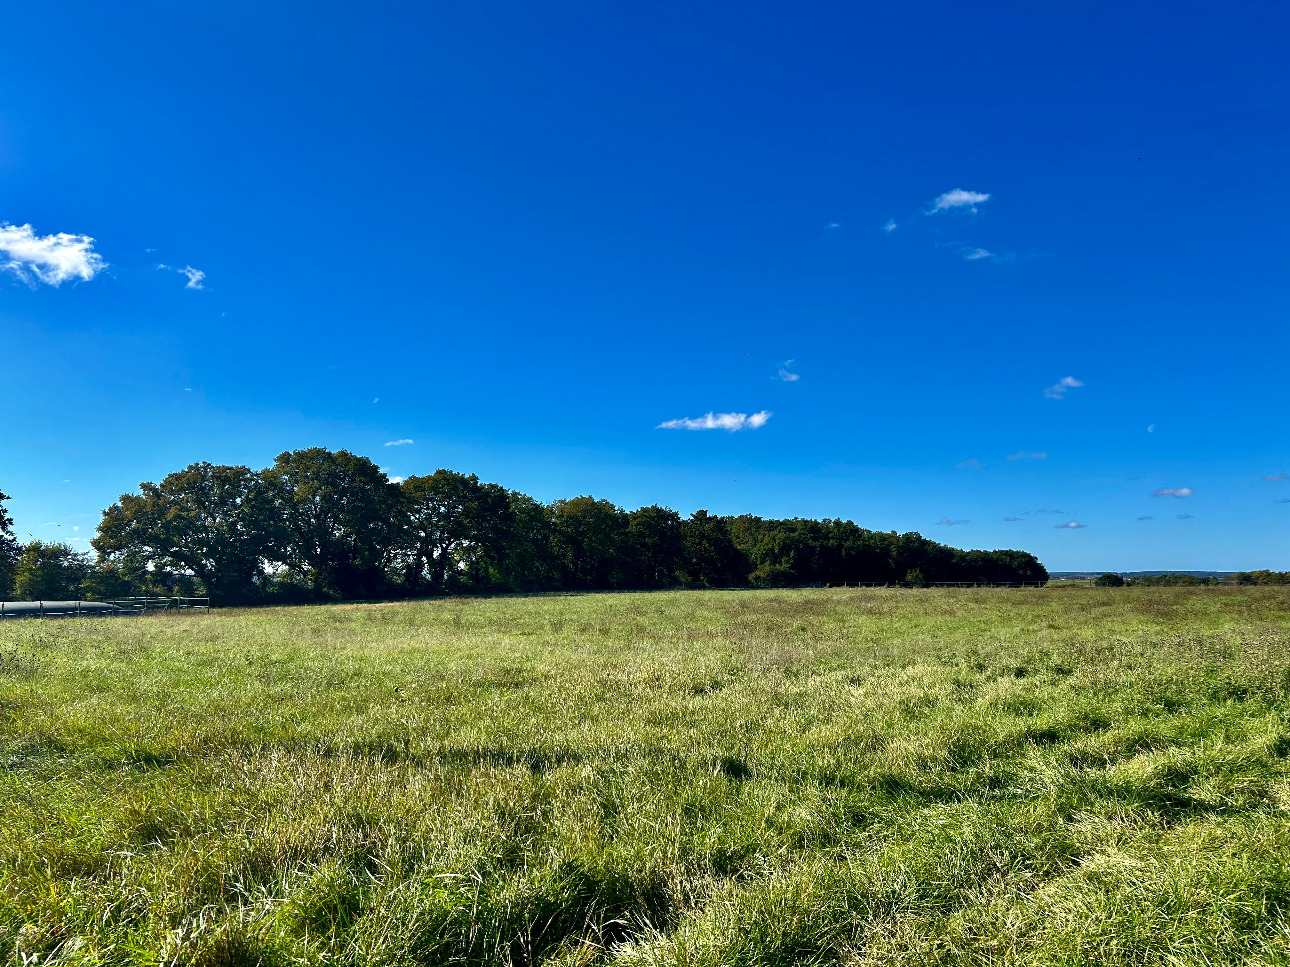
1178	580
322	525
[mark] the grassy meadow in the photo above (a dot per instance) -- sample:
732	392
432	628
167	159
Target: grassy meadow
871	776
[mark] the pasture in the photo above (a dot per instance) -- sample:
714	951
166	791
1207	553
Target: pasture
871	776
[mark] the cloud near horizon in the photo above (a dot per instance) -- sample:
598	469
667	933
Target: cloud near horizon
952	523
51	259
399	443
958	198
1025	455
1058	390
1069	525
1172	492
729	422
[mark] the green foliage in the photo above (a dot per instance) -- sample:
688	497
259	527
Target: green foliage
655	546
9	551
1109	580
337	520
321	525
875	776
215	522
589	543
455	531
1261	577
50	572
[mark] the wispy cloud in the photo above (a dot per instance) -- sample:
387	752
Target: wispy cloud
832	225
1069	525
1044	510
1172	492
890	227
51	259
1027	455
1283	500
1151	428
1146	517
787	375
1186	516
952	523
1058	390
1013	520
195	276
1274	476
399	443
972	464
958	198
972	254
719	421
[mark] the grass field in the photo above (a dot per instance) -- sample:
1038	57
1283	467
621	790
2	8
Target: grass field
875	776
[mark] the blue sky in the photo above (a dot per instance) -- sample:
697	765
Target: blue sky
525	238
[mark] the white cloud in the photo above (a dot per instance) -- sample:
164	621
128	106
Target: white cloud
376	399
1024	455
1151	428
399	443
1172	492
786	375
972	464
719	421
832	225
952	523
396	480
195	276
972	254
958	198
890	226
1058	390
1069	525
51	259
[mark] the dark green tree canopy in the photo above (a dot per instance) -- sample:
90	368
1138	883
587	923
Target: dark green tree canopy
337	517
8	549
455	529
323	525
50	572
215	521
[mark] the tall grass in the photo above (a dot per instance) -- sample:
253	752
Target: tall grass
829	776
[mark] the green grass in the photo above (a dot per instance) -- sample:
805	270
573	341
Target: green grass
851	776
